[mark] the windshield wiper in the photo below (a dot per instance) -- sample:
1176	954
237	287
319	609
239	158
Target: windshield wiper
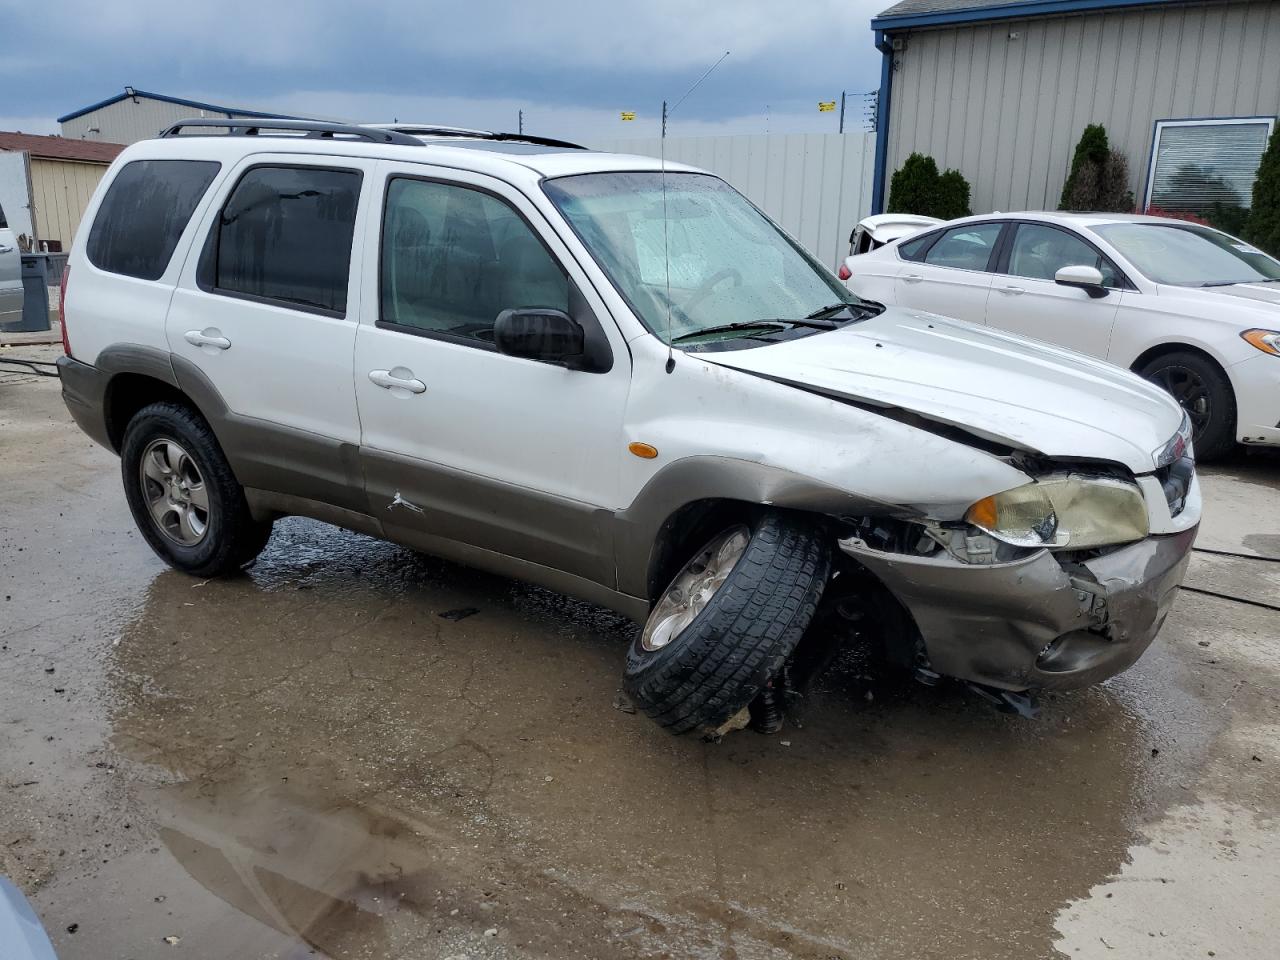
729	327
830	308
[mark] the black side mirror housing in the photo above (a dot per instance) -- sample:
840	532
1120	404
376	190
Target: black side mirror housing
541	333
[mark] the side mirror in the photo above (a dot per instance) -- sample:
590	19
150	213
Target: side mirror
1088	279
539	333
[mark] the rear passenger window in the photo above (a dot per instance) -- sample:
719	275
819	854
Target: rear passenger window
285	235
454	258
965	248
914	250
144	213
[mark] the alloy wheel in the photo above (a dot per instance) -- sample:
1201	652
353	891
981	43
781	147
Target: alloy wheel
175	492
694	586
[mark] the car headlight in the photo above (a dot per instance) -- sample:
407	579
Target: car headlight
1179	446
1065	510
1268	341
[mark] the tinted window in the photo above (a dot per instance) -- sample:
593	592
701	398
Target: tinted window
966	248
3	221
1039	252
454	258
285	234
144	213
915	249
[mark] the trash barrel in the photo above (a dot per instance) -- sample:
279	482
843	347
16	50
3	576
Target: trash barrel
35	294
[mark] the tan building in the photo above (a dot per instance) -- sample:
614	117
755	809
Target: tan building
62	175
139	115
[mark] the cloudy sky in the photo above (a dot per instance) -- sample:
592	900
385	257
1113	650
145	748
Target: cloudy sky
571	66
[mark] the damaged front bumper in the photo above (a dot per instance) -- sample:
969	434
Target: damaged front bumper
1035	622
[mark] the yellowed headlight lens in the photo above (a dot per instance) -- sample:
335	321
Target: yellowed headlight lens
1065	510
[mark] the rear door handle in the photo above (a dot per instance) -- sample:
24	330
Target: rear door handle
6	249
1013	291
912	278
209	339
397	378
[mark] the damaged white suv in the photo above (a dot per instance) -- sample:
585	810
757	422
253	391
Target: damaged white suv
568	367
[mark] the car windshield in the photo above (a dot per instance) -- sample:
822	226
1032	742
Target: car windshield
1189	255
728	264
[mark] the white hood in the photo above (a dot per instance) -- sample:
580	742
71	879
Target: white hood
1031	395
1259	295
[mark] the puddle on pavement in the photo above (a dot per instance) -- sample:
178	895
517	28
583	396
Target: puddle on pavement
346	767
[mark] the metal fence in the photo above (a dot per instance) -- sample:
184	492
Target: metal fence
817	186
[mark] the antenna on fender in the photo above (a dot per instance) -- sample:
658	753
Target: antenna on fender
662	167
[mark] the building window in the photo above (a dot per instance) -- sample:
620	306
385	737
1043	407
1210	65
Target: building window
1207	167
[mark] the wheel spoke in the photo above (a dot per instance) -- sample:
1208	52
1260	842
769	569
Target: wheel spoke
199	495
161	508
154	466
190	528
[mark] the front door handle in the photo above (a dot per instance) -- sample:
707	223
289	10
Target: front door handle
210	339
912	278
6	249
1013	291
397	379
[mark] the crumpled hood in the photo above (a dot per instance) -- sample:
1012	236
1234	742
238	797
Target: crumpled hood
1028	394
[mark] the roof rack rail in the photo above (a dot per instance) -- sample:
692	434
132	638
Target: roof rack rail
430	130
313	129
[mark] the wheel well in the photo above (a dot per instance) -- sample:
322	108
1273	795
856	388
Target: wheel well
127	393
1163	349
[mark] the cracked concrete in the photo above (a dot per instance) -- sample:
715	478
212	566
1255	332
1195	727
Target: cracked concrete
308	761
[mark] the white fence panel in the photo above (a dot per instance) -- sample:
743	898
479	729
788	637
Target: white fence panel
815	185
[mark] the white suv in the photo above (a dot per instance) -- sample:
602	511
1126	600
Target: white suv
628	385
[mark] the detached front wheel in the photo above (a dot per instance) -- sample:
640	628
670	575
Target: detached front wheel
727	621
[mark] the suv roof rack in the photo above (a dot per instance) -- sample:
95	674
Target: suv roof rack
432	130
315	129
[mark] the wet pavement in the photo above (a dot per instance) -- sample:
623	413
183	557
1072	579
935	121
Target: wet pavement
311	761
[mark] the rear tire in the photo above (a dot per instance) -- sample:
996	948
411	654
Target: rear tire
699	663
183	496
1202	389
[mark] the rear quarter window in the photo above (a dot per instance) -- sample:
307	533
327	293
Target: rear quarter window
142	217
916	249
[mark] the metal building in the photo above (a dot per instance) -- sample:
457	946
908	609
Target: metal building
1188	91
138	115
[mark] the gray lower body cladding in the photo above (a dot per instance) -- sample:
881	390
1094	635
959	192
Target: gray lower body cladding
1033	623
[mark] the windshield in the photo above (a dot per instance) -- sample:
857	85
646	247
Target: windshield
1189	255
728	264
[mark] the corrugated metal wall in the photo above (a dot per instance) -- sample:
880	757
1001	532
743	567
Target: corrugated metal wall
1007	110
129	122
815	185
60	191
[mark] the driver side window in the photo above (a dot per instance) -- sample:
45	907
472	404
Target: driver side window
454	257
1038	252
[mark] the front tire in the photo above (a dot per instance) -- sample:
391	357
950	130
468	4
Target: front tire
184	498
729	619
1202	389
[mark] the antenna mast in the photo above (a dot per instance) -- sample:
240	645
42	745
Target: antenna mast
662	167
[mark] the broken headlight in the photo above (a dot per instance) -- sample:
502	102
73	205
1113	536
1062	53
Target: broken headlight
1064	510
1179	446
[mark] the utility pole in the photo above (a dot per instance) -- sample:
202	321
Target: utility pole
842	96
664	119
520	122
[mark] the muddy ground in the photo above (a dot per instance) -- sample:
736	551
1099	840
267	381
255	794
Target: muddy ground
311	761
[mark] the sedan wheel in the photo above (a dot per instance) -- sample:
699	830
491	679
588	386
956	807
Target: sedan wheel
1202	389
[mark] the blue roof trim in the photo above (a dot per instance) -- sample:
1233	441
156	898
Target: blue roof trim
163	98
1005	11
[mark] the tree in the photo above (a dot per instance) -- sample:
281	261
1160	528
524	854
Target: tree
953	196
1262	229
918	188
1099	177
914	187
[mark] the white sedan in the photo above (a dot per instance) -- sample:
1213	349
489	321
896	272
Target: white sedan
1186	306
